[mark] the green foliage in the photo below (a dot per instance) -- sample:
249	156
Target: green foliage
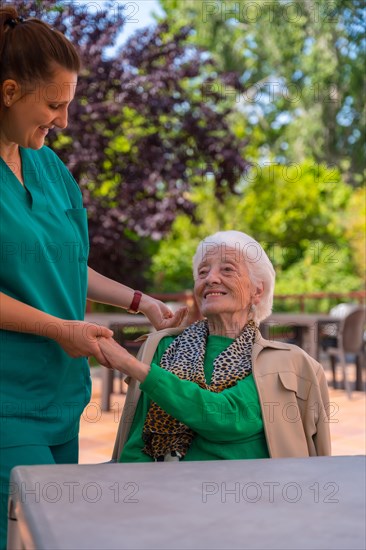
296	214
301	67
355	229
322	268
171	269
292	207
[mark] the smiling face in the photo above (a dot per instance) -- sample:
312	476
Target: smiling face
224	291
31	113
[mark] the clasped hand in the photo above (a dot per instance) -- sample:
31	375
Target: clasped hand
81	339
118	358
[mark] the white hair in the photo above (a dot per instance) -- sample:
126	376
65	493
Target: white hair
259	266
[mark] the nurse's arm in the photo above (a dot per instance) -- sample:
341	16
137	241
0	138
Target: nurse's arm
77	338
106	291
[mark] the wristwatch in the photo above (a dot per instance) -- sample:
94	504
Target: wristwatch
134	307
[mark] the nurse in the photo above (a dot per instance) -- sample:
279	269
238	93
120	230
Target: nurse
44	276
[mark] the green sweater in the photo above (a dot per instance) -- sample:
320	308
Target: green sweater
228	425
44	250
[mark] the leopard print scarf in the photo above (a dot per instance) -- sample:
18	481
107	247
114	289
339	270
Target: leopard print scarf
163	435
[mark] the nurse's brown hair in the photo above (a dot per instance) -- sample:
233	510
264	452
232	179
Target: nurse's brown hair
30	50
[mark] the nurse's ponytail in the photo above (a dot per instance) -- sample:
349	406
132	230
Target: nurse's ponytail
30	50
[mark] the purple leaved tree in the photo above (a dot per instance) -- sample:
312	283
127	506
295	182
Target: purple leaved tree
142	132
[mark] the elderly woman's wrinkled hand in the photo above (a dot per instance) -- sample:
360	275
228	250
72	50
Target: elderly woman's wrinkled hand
118	358
115	354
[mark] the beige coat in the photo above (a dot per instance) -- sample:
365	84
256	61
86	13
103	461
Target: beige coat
293	396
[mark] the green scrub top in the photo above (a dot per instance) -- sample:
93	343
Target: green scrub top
228	424
44	251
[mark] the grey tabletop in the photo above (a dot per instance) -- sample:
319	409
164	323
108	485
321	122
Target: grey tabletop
311	503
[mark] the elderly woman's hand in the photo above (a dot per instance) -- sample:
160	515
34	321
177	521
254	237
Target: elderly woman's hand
118	358
159	315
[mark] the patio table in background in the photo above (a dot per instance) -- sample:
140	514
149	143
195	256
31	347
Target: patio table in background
307	327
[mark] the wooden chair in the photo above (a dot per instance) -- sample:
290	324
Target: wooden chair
350	340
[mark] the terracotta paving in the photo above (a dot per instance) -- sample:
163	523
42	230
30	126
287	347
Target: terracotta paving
98	428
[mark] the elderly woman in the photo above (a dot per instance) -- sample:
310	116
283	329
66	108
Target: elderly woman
217	389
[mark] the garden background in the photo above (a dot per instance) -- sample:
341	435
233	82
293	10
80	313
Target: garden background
245	115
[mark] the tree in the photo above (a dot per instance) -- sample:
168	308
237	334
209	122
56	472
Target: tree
355	230
140	134
296	213
300	73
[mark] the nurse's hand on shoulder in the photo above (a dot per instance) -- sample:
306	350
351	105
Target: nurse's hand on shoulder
80	339
159	315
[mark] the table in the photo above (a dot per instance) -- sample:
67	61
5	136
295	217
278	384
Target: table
112	320
307	325
301	503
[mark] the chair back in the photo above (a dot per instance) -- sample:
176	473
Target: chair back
351	330
341	310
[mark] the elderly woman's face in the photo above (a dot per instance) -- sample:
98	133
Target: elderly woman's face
222	285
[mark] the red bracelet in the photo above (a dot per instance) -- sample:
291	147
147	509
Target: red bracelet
134	307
